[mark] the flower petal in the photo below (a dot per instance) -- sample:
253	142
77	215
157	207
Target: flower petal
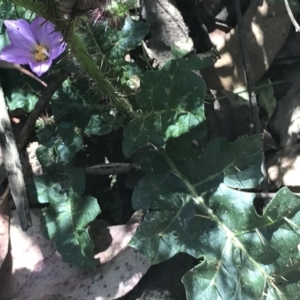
57	49
46	35
20	34
15	55
42	30
40	68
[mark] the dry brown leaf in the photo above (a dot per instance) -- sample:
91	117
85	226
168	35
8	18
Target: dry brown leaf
284	168
120	237
266	27
38	272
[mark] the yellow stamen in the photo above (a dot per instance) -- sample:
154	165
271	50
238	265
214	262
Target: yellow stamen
41	53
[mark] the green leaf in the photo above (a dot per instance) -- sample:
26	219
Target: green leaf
97	75
129	37
112	45
72	104
61	143
22	100
266	99
120	8
115	44
6	10
174	182
192	208
178	52
265	262
101	125
171	103
19	90
3	39
68	215
131	74
190	143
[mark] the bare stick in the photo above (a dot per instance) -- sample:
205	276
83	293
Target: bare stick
250	84
111	169
247	68
39	107
7	65
290	13
13	165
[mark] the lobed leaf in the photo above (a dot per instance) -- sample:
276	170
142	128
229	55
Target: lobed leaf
22	100
115	44
264	265
9	11
71	103
21	92
68	215
193	207
171	103
266	99
60	145
110	46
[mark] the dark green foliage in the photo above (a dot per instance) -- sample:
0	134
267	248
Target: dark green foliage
68	215
60	144
194	191
192	207
73	103
170	102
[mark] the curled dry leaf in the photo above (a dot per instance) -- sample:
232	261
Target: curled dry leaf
38	272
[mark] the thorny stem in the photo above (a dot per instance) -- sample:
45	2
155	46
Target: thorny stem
90	66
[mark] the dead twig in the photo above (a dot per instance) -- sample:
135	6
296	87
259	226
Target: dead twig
39	107
10	154
247	68
7	65
111	169
12	164
250	84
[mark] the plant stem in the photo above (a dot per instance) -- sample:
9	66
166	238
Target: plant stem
39	107
76	45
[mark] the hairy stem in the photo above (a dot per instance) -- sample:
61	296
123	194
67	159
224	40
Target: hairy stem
76	45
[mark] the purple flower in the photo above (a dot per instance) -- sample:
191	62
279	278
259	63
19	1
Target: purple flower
36	44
